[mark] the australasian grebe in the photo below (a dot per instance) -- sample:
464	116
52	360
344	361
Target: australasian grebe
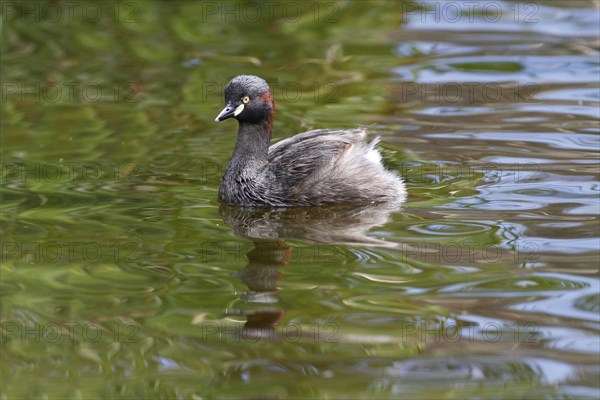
319	167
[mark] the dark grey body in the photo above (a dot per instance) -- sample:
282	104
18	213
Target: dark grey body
320	167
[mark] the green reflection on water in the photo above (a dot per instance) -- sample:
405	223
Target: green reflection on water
122	277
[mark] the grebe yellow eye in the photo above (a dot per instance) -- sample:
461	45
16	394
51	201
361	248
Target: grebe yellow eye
246	99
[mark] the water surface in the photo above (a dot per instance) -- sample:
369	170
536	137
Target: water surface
122	276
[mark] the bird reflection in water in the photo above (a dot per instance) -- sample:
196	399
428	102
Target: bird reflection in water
268	229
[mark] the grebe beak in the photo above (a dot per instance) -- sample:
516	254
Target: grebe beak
229	111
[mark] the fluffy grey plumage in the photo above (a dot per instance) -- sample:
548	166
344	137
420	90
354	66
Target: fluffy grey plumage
319	167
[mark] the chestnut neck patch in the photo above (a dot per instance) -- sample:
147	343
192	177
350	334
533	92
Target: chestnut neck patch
267	97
